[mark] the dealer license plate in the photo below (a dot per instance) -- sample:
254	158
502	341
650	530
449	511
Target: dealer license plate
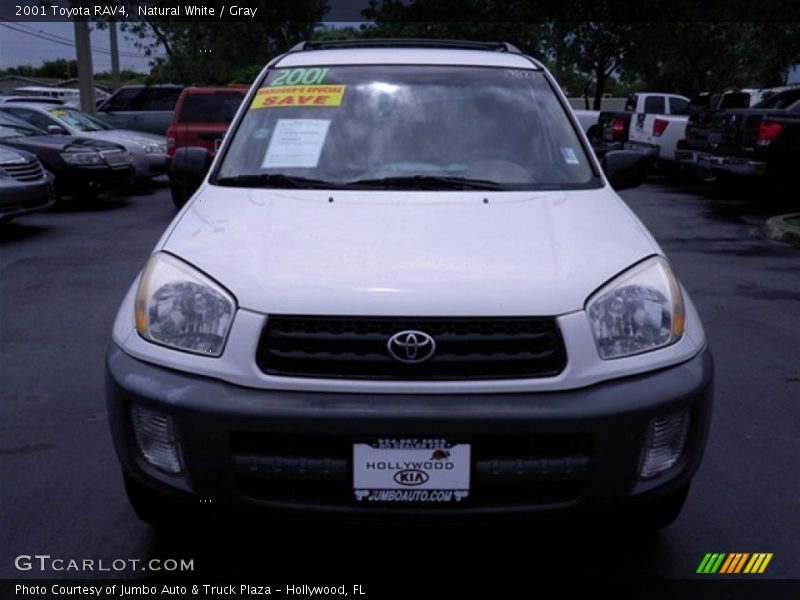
411	470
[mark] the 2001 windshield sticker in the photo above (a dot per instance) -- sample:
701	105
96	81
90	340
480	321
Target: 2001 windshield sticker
299	77
298	95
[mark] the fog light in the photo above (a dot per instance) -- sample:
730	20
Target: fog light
155	436
664	444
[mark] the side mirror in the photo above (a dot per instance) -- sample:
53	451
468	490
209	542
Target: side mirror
625	168
189	166
56	130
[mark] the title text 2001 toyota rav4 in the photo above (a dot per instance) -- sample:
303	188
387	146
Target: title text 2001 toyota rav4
405	286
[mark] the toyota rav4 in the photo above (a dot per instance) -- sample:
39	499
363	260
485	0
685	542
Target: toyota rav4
407	286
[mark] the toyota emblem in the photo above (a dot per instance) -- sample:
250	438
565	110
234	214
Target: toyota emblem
411	346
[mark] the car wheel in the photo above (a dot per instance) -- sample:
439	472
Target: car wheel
705	175
661	512
154	508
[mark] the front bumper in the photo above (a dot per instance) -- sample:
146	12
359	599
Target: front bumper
147	166
80	179
21	197
246	448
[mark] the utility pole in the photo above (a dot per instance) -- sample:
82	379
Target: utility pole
112	36
83	48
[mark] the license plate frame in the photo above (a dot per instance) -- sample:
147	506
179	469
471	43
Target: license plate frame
417	471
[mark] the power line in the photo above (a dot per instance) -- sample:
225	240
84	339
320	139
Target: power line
61	40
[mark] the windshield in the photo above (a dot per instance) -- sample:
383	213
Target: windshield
406	127
77	119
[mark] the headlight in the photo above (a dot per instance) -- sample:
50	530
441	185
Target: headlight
82	158
179	307
155	149
639	311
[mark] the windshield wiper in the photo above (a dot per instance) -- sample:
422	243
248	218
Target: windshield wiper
430	182
278	180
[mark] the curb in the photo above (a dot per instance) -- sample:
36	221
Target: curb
777	228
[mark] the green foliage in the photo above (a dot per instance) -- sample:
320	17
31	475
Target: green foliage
598	52
215	52
714	56
246	74
60	68
329	34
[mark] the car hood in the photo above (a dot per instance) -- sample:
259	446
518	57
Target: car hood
128	138
59	142
409	253
10	155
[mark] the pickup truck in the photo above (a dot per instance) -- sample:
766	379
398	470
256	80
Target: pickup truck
626	130
655	131
759	141
702	108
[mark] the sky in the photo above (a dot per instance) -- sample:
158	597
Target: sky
24	45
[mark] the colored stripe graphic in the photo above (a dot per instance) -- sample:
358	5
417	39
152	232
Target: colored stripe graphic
741	562
703	563
732	558
718	562
759	562
711	563
733	563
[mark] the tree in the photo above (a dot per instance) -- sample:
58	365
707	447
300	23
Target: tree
586	50
479	20
213	51
714	56
599	49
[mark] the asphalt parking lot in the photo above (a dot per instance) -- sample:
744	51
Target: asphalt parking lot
64	272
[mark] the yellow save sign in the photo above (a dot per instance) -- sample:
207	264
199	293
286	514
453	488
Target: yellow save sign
298	95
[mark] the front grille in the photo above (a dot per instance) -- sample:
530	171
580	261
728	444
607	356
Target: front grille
316	470
357	348
116	158
27	171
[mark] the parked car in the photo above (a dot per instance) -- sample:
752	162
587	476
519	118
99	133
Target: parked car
656	130
24	185
640	126
140	107
81	166
702	108
201	118
757	142
38	99
368	307
740	142
147	150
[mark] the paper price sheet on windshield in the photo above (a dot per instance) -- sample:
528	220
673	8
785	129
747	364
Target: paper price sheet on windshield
296	143
298	95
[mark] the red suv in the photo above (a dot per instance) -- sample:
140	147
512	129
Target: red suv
201	118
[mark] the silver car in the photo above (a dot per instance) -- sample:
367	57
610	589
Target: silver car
24	185
147	150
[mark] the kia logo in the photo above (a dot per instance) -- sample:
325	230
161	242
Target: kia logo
411	346
411	477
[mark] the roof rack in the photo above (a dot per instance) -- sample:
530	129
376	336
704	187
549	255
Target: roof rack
405	43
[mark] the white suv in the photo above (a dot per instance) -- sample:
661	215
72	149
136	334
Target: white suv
406	286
